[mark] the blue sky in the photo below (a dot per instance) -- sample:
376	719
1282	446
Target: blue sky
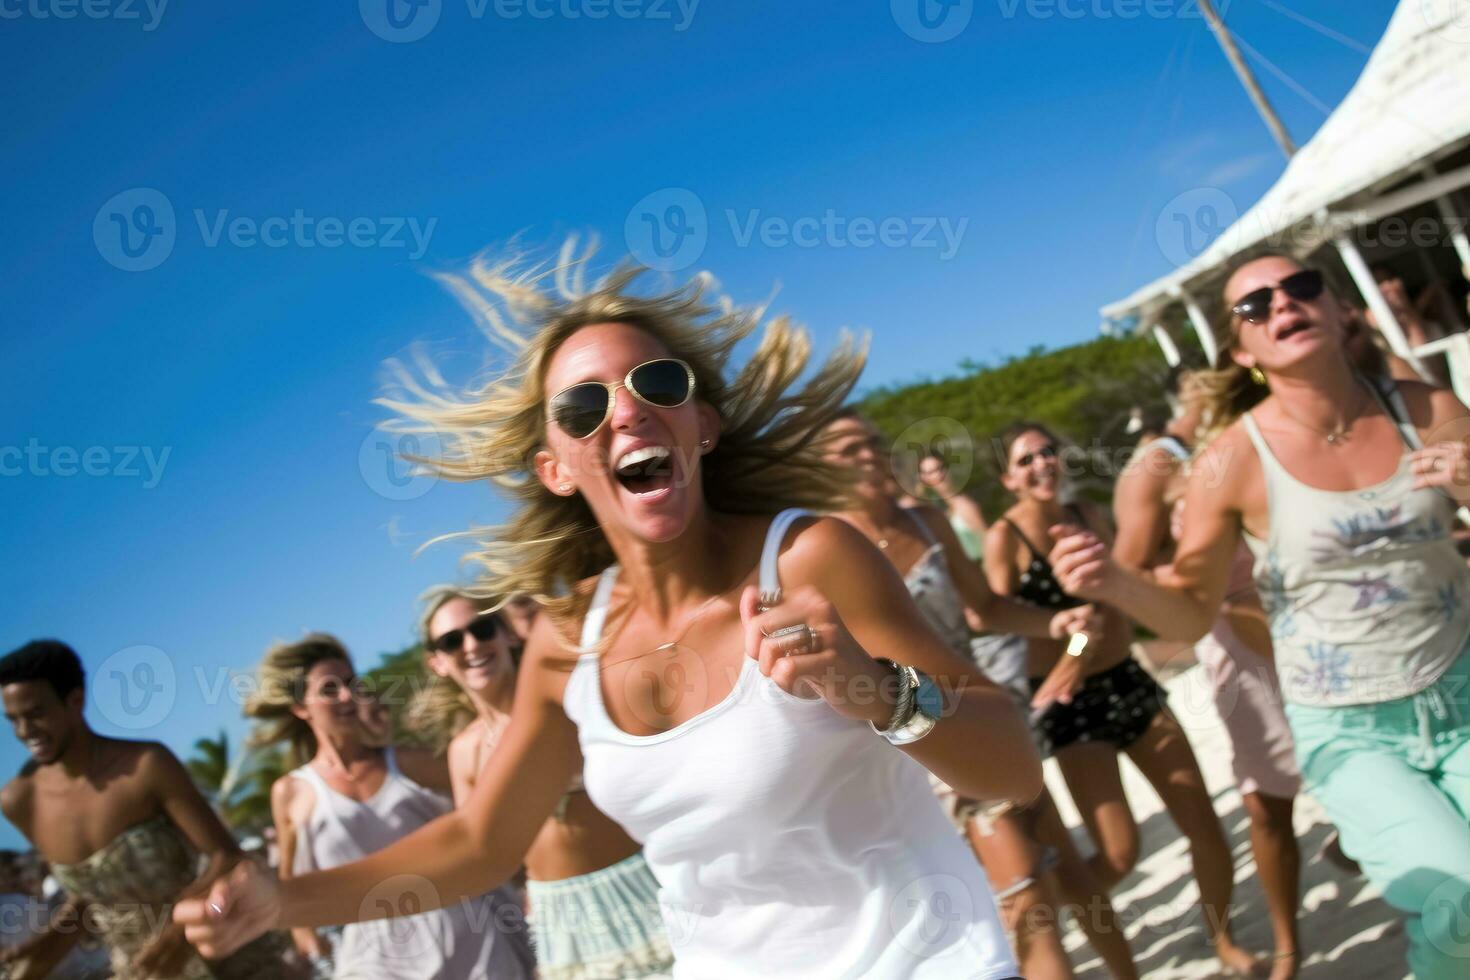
966	197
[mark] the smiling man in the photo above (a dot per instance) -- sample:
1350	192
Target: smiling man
121	824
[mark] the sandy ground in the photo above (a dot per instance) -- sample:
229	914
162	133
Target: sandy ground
1347	931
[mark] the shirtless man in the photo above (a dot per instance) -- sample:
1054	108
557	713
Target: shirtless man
121	824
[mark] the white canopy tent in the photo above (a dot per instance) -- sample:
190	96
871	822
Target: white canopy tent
1381	152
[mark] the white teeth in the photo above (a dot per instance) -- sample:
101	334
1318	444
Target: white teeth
636	456
478	662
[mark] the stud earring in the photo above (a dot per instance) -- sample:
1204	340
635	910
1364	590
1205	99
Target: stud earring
704	444
565	488
1258	376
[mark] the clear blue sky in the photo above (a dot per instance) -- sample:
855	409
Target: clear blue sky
1048	137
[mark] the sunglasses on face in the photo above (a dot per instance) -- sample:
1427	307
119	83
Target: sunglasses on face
581	409
1045	452
1255	306
483	628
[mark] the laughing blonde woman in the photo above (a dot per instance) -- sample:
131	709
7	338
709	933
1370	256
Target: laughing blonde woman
749	691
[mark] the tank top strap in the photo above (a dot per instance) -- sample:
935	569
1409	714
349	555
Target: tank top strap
770	581
596	616
390	759
312	778
1391	400
1269	462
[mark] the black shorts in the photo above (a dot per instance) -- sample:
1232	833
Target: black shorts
1115	706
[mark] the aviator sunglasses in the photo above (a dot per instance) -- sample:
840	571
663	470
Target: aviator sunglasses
483	628
580	410
1255	306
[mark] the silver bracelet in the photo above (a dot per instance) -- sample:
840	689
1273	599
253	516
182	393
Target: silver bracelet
903	704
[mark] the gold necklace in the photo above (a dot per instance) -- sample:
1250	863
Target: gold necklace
1334	435
688	624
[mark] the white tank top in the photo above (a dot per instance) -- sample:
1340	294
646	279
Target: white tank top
1367	598
469	939
789	841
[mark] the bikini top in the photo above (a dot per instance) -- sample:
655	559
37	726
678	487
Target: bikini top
1038	584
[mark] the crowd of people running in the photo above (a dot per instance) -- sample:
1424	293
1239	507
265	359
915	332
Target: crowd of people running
727	700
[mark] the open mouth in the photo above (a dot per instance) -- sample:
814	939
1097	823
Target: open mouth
479	663
37	746
1293	330
646	470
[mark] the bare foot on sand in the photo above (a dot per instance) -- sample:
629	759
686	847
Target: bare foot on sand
1237	962
1284	965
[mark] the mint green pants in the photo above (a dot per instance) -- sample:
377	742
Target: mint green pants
1395	779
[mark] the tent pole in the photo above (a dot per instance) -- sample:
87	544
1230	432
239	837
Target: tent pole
1454	222
1167	345
1388	324
1248	79
1201	325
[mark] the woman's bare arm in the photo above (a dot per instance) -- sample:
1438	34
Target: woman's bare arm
981	746
997	613
1185	609
461	855
1001	549
284	796
1140	511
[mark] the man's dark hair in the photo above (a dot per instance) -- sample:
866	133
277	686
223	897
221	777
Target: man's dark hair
44	660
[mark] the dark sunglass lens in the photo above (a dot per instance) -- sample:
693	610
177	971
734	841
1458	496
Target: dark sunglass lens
1254	305
450	642
664	383
580	409
485	627
1306	284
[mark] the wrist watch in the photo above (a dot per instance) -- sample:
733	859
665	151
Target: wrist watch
919	707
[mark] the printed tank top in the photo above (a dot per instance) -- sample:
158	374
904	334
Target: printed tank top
1364	590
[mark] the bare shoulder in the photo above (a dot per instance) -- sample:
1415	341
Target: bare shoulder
16	798
289	797
551	652
1228	467
1430	406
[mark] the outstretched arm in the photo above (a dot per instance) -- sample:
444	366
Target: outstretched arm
463	854
1186	608
998	613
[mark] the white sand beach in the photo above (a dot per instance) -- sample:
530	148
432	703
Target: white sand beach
1347	932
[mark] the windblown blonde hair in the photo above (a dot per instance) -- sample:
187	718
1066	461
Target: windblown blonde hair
764	460
442	709
280	685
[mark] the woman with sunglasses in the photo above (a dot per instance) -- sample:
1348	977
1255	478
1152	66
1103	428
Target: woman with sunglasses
707	648
951	592
582	868
1089	705
1345	489
350	797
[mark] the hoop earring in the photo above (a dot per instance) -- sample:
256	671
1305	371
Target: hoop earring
1258	376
